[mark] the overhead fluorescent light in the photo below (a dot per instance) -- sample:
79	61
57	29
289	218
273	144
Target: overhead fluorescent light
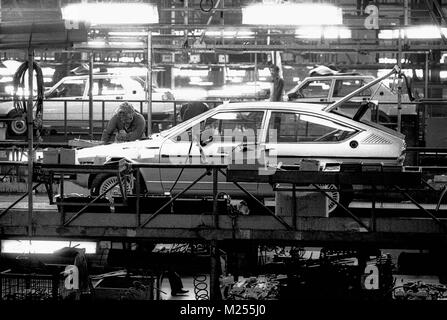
126	43
323	32
230	34
111	13
415	32
44	246
425	32
292	14
127	33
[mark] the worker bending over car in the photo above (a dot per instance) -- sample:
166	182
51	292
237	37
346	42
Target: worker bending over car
126	124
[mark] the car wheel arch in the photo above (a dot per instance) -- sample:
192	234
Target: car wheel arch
92	177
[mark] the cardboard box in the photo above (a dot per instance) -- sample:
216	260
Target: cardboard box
51	156
308	204
67	156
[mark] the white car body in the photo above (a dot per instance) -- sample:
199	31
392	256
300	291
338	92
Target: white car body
301	130
331	88
110	88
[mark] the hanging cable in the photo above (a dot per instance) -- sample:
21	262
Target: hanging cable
20	102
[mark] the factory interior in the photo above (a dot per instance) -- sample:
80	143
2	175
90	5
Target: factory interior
223	150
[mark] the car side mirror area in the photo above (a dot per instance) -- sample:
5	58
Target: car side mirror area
292	96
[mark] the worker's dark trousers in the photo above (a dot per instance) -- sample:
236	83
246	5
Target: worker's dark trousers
174	280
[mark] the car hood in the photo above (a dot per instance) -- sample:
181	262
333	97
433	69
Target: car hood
136	151
6	107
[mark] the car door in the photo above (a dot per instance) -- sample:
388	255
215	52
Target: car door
69	93
223	137
293	136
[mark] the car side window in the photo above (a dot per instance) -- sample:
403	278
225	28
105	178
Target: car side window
344	87
227	126
69	88
315	89
233	126
289	127
104	87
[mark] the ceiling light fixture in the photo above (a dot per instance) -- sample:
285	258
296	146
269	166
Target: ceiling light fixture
292	14
111	13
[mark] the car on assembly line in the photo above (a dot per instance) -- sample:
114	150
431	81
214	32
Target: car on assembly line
247	132
328	89
108	89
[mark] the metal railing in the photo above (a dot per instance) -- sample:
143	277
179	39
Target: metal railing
67	126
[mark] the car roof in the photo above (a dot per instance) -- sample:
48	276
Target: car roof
357	76
301	106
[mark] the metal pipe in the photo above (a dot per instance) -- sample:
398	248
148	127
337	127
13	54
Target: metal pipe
294	209
29	117
90	95
426	79
103	105
137	209
399	87
149	83
373	209
65	120
215	212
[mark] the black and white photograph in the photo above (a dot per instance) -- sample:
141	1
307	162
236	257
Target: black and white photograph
221	159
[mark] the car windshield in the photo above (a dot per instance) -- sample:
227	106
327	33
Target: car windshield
185	124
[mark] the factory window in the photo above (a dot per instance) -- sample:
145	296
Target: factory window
294	127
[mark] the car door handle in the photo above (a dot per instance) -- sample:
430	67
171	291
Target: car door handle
78	98
179	155
119	98
217	155
322	99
